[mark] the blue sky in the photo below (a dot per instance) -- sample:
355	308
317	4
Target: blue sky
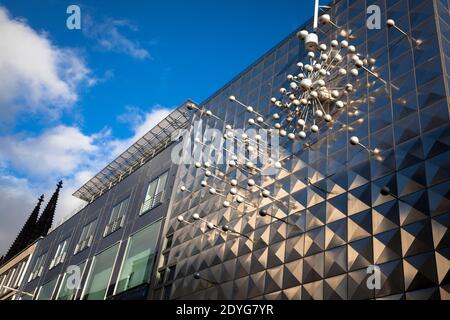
194	48
70	100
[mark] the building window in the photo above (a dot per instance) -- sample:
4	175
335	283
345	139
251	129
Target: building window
18	275
60	254
2	288
46	291
2	279
117	218
7	281
139	258
98	280
38	267
155	193
68	292
87	236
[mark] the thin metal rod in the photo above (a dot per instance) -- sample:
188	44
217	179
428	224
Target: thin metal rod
379	78
316	15
17	291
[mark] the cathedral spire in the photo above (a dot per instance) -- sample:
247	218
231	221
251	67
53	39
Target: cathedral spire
44	223
27	234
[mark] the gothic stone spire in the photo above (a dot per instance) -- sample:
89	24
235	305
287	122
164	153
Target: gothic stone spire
27	234
45	221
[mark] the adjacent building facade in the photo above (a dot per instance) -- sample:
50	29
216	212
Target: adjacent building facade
12	273
108	249
335	212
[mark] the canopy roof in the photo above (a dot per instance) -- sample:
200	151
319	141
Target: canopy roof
153	142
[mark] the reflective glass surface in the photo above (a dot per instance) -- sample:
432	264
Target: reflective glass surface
68	289
46	291
98	280
139	258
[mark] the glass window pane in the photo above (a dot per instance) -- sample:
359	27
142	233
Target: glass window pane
139	258
38	267
151	190
162	183
60	254
117	217
86	237
123	207
155	193
46	291
83	233
101	269
67	292
115	212
14	278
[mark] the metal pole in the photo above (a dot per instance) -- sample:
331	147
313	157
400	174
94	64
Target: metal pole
316	14
17	291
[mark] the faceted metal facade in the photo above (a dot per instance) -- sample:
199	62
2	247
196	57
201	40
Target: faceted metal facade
343	224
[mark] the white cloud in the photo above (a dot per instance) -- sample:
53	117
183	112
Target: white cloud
36	76
141	122
109	36
18	199
62	152
57	151
150	120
